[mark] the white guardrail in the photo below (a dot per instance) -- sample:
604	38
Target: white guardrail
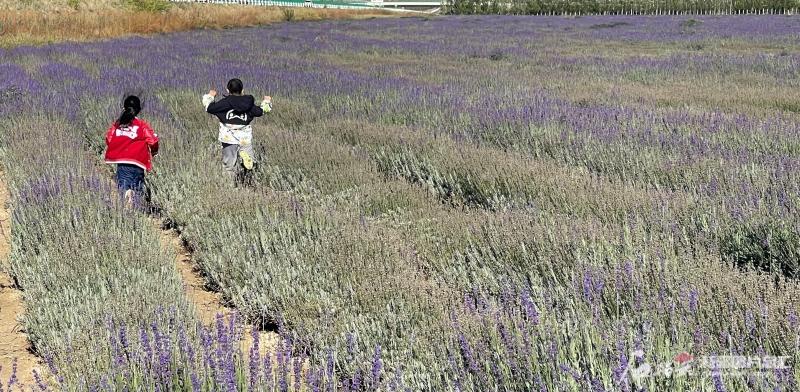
372	4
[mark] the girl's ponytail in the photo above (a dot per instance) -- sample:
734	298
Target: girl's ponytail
130	108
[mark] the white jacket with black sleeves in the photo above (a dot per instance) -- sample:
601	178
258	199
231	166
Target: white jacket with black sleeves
235	113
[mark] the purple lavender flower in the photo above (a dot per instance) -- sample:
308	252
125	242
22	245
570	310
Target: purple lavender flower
255	356
208	348
197	386
469	302
13	379
619	375
573	373
698	337
144	339
597	385
719	386
356	381
39	381
693	301
377	366
298	374
750	323
538	382
269	375
552	350
509	344
311	378
124	344
351	345
466	352
456	370
530	308
329	370
283	369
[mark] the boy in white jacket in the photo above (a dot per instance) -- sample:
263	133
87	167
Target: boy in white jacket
235	112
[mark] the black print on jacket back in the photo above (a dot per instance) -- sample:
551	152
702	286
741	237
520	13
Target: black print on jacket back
236	109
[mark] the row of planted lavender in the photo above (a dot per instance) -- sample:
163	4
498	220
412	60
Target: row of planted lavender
655	7
459	203
105	307
80	258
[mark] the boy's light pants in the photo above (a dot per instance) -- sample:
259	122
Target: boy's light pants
231	161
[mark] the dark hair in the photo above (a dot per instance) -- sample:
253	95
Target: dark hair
235	86
130	108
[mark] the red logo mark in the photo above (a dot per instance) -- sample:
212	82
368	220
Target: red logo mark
683	358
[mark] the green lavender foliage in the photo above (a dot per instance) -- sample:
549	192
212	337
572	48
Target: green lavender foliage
81	258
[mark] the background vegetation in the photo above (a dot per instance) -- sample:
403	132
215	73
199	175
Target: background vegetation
41	22
588	7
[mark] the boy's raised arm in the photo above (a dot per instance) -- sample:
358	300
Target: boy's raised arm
208	101
266	104
256	111
264	107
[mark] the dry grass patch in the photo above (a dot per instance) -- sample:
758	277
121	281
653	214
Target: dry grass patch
29	26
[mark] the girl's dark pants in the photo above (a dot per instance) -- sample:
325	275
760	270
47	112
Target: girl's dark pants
130	177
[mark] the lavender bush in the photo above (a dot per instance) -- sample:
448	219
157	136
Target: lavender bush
457	203
545	7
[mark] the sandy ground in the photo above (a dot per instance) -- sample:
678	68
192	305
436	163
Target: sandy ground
13	341
208	304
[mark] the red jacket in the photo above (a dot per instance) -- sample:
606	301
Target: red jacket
134	144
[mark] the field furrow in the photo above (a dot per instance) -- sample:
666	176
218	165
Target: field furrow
15	349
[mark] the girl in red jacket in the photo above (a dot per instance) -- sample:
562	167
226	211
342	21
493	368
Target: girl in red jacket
131	144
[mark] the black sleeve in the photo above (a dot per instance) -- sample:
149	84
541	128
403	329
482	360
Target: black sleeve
217	107
256	111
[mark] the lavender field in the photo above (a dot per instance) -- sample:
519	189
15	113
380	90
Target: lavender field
442	204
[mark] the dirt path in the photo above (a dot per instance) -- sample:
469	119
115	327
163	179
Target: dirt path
13	341
208	303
